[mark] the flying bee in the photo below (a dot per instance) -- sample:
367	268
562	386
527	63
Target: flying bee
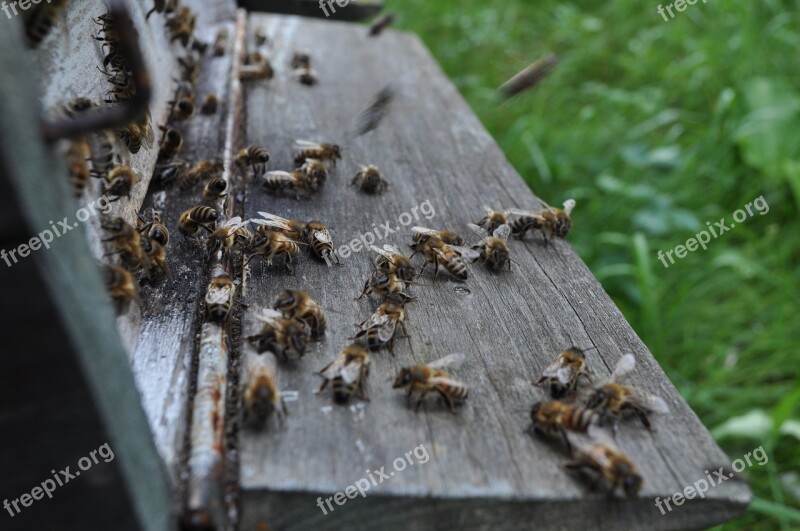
285	337
221	43
348	373
77	155
282	182
370	180
152	227
372	116
138	133
291	227
203	171
324	152
381	23
437	252
553	420
163	6
387	286
421	235
181	25
317	235
563	374
103	153
171	143
493	250
493	219
391	260
233	232
120	286
431	377
125	241
614	400
155	261
612	466
219	298
210	104
552	221
119	182
261	396
271	244
299	305
167	173
254	156
380	328
39	20
200	216
315	170
215	189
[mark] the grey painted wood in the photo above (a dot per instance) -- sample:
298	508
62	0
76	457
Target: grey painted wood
483	470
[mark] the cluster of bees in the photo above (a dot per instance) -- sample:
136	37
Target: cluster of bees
581	409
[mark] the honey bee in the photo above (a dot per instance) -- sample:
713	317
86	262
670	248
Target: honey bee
215	189
120	286
190	68
256	66
301	60
292	228
381	23
163	6
315	170
613	467
493	219
372	116
299	305
167	173
319	151
380	328
285	337
370	180
77	155
123	85
233	232
181	109
138	133
114	56
391	260
553	420
255	157
431	377
317	235
200	216
387	286
261	396
281	182
614	400
210	104
261	37
271	244
552	221
155	262
202	171
125	241
181	25
493	250
306	75
171	143
119	182
219	298
103	153
348	372
39	20
152	228
437	252
563	374
421	235
221	43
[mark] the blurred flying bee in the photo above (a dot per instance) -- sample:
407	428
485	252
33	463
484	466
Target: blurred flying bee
315	170
283	182
39	19
493	219
215	189
163	6
317	235
381	23
232	233
348	373
563	374
125	242
254	156
262	396
219	298
423	379
553	420
138	133
221	43
171	143
152	227
155	261
380	328
372	117
610	465
552	221
272	244
391	260
529	77
167	173
438	252
370	180
387	286
120	286
77	155
210	104
299	305
614	400
494	251
192	219
103	153
285	337
181	25
203	171
119	182
324	152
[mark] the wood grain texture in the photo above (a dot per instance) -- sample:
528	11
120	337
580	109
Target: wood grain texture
483	470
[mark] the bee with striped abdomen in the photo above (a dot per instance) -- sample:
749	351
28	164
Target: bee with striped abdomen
193	219
431	377
77	154
324	152
151	226
254	156
348	373
220	297
120	286
553	419
380	328
551	221
299	305
202	171
609	465
215	189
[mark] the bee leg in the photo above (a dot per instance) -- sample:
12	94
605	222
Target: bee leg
419	401
324	384
565	441
448	402
645	419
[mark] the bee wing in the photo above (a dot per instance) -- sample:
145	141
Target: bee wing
444	380
453	361
569	204
306	144
426	231
502	232
376	319
322	236
391	248
269	316
383	253
564	374
465	252
263	364
648	401
234	228
551	371
274	223
218	295
386	332
334	368
524	213
267	215
279	175
625	365
480	231
352	371
148	136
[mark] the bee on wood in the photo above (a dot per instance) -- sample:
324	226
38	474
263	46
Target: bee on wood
181	109
301	64
151	227
261	37
39	20
348	374
431	377
272	244
215	189
283	182
553	419
387	286
138	133
190	68
551	222
119	182
203	171
563	374
233	232
317	235
370	180
125	241
381	23
219	298
193	219
171	143
379	329
256	66
291	227
110	43
437	252
167	173
422	235
299	305
210	104
221	43
372	117
301	59
254	156
493	250
391	260
123	85
164	7
493	219
285	337
155	261
324	152
316	170
181	25
103	153
77	155
614	400
609	465
120	286
262	397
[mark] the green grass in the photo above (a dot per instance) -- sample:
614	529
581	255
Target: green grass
656	128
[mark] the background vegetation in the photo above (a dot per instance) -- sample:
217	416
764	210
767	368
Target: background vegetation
655	128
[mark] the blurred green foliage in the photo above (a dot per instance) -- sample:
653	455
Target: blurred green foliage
656	128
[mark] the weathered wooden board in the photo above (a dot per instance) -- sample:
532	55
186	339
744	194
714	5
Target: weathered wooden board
483	470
